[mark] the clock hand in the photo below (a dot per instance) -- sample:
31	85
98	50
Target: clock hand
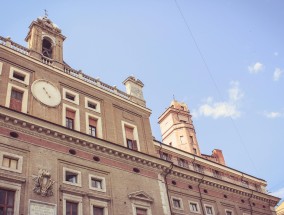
46	92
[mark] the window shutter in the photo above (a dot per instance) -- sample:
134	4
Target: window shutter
16	100
6	162
70	114
129	133
93	122
141	211
98	211
14	164
134	145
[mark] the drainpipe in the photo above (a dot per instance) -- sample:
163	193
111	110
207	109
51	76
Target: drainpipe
165	180
201	199
250	202
167	188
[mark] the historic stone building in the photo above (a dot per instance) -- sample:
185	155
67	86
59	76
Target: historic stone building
73	145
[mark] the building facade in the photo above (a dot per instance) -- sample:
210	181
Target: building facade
71	144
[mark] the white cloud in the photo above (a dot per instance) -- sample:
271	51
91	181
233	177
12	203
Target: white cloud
256	68
279	193
277	74
223	109
273	114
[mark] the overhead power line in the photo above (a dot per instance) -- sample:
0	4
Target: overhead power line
214	82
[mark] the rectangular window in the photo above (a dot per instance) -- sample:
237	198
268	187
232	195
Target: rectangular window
229	212
71	208
131	143
182	140
92	127
176	203
194	151
98	210
19	76
70	96
70	116
71	177
97	183
7	199
10	162
193	207
209	210
141	211
92	105
16	100
182	163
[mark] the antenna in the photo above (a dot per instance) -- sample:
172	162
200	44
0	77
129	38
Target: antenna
45	13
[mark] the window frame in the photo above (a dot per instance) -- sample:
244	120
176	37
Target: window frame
197	206
18	157
70	92
228	210
76	119
13	187
103	180
98	203
135	134
98	105
25	91
75	199
211	206
1	67
173	198
99	131
79	177
26	75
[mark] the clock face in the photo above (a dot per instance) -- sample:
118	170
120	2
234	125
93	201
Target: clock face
46	92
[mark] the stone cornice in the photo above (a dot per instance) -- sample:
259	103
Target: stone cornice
43	129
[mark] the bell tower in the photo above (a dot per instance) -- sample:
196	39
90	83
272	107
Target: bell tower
46	41
177	128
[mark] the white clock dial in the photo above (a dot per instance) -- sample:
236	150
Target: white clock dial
46	92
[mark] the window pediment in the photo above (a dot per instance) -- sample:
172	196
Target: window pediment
141	195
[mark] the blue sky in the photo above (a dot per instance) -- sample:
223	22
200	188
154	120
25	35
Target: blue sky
234	89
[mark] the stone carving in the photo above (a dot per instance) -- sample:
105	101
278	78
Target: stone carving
43	183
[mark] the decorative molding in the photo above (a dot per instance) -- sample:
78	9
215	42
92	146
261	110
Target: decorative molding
141	195
43	183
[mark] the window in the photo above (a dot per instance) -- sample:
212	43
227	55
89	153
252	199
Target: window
72	205
92	127
71	208
198	168
47	47
182	139
70	96
165	156
72	177
70	116
141	211
131	143
10	162
209	210
191	140
98	207
98	210
92	105
177	203
7	201
182	163
228	212
193	207
97	183
19	76
16	100
194	151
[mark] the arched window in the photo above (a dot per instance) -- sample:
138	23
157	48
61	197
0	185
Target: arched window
47	47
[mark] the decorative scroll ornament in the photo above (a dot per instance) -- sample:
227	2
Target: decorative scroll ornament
43	183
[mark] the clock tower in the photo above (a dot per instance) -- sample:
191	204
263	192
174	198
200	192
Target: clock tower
46	41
